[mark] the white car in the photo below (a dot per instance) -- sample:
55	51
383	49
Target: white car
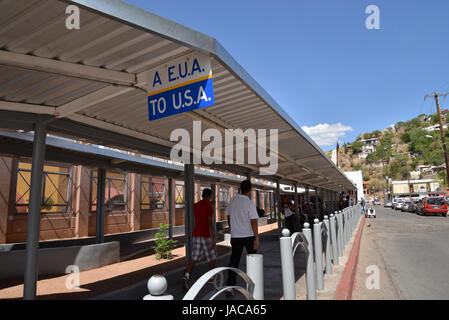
399	205
370	213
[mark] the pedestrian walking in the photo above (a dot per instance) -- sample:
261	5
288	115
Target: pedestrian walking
288	209
242	219
203	244
363	203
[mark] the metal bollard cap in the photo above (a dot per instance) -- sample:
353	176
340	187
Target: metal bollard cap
157	285
332	215
316	221
286	232
306	225
326	217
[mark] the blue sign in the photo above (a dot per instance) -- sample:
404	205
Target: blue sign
184	97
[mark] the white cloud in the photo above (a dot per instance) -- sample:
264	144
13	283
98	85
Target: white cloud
327	134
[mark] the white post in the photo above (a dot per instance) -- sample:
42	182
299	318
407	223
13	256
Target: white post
254	270
333	232
328	246
157	285
346	226
288	267
318	254
339	234
310	272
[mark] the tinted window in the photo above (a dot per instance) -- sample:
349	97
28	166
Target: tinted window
436	201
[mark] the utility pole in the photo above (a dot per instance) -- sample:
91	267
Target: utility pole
436	95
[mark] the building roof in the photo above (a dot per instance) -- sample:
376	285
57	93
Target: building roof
90	84
413	181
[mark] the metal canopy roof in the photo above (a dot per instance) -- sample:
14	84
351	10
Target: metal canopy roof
90	83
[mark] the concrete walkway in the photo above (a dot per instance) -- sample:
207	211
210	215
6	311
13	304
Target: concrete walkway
138	264
269	248
127	280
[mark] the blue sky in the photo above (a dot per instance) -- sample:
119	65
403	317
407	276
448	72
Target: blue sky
317	59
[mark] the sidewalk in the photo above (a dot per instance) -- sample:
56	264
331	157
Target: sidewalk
332	281
140	265
371	256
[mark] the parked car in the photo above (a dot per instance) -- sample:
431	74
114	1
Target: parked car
388	204
432	205
399	205
370	213
405	206
377	202
394	203
412	206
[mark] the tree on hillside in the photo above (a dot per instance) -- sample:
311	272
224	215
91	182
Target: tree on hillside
376	134
419	143
357	146
435	157
398	168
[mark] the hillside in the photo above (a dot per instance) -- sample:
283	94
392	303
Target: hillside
396	152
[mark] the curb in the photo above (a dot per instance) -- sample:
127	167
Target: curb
347	281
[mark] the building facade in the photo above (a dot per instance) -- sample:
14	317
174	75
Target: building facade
132	201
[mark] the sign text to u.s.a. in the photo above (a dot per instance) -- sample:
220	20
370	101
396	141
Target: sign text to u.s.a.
181	85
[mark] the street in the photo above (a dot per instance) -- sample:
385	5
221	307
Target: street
411	253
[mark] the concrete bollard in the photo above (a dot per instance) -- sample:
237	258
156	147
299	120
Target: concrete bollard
340	226
254	270
310	272
333	238
318	254
288	267
346	238
352	219
157	285
328	246
342	242
347	227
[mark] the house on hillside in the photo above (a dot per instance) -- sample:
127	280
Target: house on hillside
430	169
369	147
435	127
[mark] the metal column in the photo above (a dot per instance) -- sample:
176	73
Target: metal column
170	208
99	219
189	193
270	197
323	213
278	206
214	216
34	212
334	197
296	199
248	177
317	210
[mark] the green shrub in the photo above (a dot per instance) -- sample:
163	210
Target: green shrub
164	246
47	204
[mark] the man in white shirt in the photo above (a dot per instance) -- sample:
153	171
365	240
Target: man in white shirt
242	219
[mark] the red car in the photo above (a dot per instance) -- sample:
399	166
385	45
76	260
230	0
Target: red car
432	205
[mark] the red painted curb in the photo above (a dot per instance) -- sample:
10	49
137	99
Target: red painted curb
347	281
